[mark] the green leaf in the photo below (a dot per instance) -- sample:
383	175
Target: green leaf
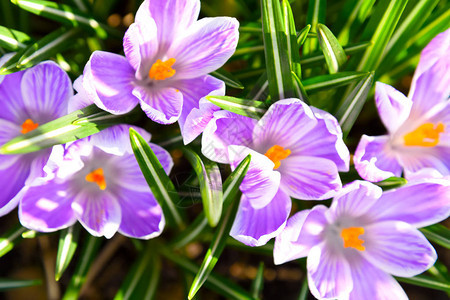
275	50
292	45
438	234
392	182
427	282
66	15
390	15
248	108
227	78
87	256
53	43
68	242
8	241
330	81
316	15
302	35
353	104
216	283
142	279
317	59
71	127
230	190
300	91
304	291
157	179
13	40
258	282
8	284
210	185
334	53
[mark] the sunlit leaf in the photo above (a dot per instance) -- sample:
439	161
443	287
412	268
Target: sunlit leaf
334	53
249	108
13	40
8	240
68	242
227	78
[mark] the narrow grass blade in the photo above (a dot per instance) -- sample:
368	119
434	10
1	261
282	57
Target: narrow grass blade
230	190
66	15
142	279
8	284
248	108
275	50
157	179
292	45
302	35
68	242
350	24
334	53
304	291
227	78
8	241
300	91
385	26
427	282
87	256
317	59
438	234
258	282
354	103
216	283
13	40
325	82
53	43
74	126
316	15
210	186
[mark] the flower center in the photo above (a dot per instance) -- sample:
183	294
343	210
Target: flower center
426	135
351	238
277	154
97	177
28	126
161	70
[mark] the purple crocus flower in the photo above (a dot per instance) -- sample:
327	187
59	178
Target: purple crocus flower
418	125
296	151
28	99
366	235
168	54
97	181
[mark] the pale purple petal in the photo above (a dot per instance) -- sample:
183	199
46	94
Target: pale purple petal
12	180
419	204
226	128
397	248
418	158
47	207
140	45
285	123
98	212
370	280
162	105
374	160
116	139
81	99
3	60
36	167
141	214
393	107
8	131
327	141
430	84
329	274
108	80
255	227
286	248
197	111
261	182
309	177
11	101
354	200
206	45
46	89
172	18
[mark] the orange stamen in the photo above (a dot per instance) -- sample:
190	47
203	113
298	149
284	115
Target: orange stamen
97	177
161	70
426	135
28	126
351	238
277	154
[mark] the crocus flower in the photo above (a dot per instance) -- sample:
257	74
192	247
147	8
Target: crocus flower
296	151
168	54
97	181
366	235
28	99
418	125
